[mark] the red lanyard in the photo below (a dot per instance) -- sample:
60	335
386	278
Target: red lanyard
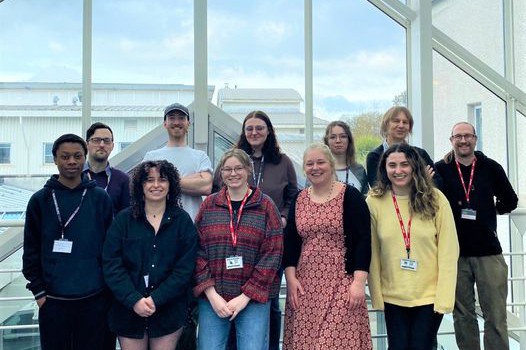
405	234
468	190
233	229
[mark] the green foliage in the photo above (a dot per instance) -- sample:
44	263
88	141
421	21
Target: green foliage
366	132
364	144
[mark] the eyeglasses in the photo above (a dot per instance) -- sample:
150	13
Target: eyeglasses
459	137
236	170
258	128
98	140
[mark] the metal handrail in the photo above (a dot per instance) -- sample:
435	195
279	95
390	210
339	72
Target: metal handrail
20	223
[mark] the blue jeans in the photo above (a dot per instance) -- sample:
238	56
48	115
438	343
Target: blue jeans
252	327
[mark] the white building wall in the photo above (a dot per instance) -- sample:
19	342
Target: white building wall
455	93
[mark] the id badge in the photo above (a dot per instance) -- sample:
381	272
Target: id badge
62	246
408	264
234	262
468	214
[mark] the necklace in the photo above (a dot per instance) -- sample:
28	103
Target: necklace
329	195
154	215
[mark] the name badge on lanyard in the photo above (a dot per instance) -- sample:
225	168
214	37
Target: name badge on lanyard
468	214
405	264
408	264
62	246
234	262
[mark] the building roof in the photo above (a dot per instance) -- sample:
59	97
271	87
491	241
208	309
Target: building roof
98	86
79	108
13	200
271	95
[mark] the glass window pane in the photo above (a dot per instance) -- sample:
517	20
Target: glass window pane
38	58
458	97
359	67
5	153
521	166
41	41
256	59
47	153
256	44
519	35
140	68
477	26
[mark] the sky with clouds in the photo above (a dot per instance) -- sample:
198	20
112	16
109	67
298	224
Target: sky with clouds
359	52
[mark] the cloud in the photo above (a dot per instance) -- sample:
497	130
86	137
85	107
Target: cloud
275	30
361	76
56	47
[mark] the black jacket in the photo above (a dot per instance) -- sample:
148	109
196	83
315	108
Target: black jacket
79	273
478	237
373	160
132	251
356	230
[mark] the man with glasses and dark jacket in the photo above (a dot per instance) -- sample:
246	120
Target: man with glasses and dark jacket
116	183
477	189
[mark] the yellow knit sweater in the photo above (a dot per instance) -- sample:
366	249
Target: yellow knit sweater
434	246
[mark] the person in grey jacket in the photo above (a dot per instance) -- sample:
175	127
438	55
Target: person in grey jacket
149	257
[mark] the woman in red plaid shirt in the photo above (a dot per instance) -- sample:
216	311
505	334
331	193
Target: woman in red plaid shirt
241	243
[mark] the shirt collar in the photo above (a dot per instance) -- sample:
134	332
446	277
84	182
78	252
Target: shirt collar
107	170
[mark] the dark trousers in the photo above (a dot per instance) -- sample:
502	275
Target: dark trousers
73	324
275	320
411	328
110	338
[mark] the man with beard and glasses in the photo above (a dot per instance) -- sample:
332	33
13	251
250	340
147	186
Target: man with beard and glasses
193	165
116	183
477	189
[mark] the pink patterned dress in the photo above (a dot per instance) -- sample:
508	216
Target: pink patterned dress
323	320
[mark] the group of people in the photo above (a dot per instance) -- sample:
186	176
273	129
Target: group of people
109	256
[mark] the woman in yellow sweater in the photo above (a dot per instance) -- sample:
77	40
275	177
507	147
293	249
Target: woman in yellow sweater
414	250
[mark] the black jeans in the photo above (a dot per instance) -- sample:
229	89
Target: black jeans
411	328
73	324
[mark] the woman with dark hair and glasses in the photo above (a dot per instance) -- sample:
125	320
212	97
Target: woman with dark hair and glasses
240	249
339	138
414	250
273	173
149	257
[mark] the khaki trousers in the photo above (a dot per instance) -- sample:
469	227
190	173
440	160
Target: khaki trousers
490	274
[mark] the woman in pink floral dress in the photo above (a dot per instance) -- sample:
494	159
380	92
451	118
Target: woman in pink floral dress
326	258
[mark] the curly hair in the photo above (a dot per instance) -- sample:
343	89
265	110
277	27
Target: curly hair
140	174
423	200
351	150
270	150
